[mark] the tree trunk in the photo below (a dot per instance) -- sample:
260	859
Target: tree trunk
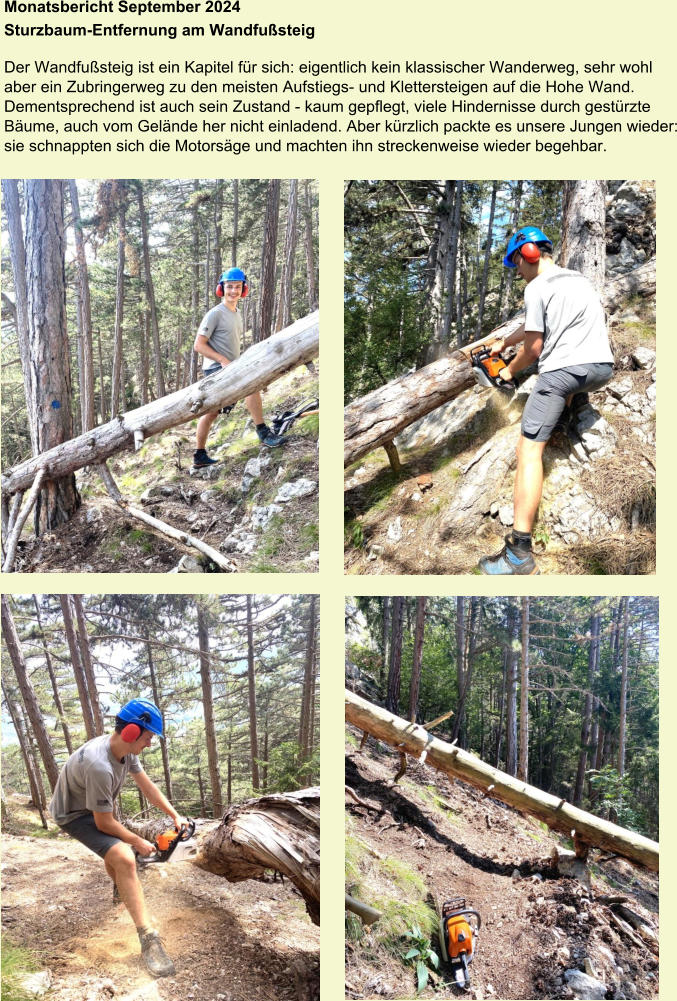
236	218
257	367
12	642
309	247
88	667
118	389
586	727
289	259
84	314
556	813
17	253
208	709
583	246
308	697
32	770
251	682
509	273
511	693
418	657
52	678
169	792
50	406
378	417
78	671
487	256
267	295
385	640
459	731
150	292
624	693
523	768
195	284
279	832
393	697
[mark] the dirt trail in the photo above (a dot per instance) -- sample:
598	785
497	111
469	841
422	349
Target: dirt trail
229	942
535	925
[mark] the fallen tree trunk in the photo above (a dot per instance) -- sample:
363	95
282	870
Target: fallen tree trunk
260	365
378	417
556	813
280	832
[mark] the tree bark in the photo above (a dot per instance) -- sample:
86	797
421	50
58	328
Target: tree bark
511	692
51	404
150	292
418	657
309	247
289	259
586	726
208	709
583	246
257	367
523	768
84	315
32	770
251	682
379	416
556	813
487	256
169	792
81	679
17	253
13	644
86	657
393	697
624	693
267	295
117	388
308	697
52	678
236	219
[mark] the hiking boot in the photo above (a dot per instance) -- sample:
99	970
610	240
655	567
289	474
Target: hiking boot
154	956
267	437
201	460
226	410
563	422
509	561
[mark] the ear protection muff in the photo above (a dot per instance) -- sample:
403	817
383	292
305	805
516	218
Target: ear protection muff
530	252
218	291
131	732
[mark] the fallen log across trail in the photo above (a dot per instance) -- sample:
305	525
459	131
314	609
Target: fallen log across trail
260	365
280	832
559	815
375	419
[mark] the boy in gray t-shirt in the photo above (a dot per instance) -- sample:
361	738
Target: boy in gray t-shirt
565	329
218	341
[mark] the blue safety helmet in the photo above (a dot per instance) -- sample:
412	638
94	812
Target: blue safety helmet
527	235
145	714
233	275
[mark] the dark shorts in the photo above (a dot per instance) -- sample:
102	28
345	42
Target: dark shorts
213	369
84	829
548	398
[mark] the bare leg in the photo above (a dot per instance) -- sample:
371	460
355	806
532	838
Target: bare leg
255	407
528	482
203	425
120	865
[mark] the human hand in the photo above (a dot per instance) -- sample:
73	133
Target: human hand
495	347
179	821
505	374
143	847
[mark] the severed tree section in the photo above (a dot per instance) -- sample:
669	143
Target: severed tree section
280	832
375	419
260	365
559	815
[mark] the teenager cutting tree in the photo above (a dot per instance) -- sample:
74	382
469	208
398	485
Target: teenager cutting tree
82	805
218	341
565	331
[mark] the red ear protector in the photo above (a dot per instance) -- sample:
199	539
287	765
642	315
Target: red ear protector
131	733
218	291
530	252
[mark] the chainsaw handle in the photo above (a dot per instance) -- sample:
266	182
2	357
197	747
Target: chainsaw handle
187	830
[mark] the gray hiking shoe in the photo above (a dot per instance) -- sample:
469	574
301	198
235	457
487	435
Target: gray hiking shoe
154	956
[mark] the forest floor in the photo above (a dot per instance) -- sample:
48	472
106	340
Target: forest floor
429	839
394	522
210	504
229	942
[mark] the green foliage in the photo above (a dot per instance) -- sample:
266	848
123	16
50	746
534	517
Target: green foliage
17	963
422	955
286	771
615	797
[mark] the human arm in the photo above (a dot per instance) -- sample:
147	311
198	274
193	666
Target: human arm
203	347
157	797
507	342
527	354
107	823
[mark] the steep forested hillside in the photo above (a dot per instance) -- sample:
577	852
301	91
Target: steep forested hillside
424	279
105	284
560	693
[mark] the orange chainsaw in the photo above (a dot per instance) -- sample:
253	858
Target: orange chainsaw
458	933
167	842
486	367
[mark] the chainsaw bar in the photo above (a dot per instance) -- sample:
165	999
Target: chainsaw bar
167	843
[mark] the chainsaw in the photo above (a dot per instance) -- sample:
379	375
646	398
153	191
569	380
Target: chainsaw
486	367
458	931
167	842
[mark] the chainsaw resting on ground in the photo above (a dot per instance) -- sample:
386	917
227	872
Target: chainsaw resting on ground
167	843
486	367
458	933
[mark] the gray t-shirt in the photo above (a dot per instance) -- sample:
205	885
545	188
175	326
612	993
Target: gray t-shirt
90	780
564	306
223	329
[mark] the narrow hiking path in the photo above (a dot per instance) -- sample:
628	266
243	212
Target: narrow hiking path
429	839
229	942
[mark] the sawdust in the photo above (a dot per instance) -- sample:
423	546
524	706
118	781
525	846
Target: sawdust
532	924
228	942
